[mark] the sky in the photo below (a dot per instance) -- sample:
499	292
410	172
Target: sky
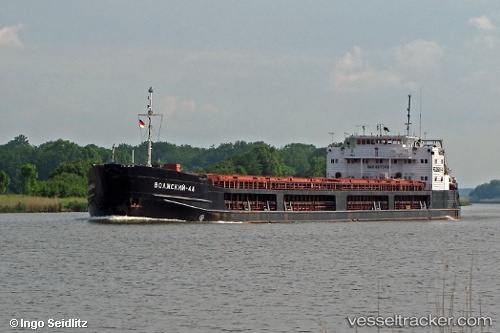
275	71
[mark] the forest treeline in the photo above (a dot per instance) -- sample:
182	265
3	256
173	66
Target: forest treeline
59	168
486	193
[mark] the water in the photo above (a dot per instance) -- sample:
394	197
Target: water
305	277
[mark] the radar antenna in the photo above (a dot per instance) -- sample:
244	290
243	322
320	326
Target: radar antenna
363	127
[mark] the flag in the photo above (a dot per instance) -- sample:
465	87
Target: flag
141	124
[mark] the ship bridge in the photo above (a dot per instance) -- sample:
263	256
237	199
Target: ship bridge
390	157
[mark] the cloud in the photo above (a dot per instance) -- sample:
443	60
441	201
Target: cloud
9	36
482	23
361	70
354	71
173	104
486	35
419	53
174	107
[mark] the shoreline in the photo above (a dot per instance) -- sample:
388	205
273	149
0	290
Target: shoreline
16	203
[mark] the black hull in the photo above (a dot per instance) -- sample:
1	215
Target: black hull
149	192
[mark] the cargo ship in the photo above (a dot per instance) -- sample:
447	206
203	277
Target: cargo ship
375	177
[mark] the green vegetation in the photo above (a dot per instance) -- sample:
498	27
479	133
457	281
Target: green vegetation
69	179
486	193
15	203
464	201
28	177
264	160
26	166
58	169
4	182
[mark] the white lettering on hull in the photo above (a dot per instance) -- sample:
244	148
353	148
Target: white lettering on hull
372	166
174	187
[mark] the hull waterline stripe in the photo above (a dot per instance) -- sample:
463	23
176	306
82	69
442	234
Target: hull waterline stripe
181	198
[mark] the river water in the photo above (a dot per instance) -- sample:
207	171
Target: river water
56	269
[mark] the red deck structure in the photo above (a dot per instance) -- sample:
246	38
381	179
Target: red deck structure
319	184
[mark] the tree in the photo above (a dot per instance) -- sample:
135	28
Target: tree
53	153
489	192
13	155
226	167
29	177
69	179
78	167
261	160
63	186
18	141
296	156
4	182
269	158
318	167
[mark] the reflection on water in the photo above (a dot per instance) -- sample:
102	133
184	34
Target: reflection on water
304	277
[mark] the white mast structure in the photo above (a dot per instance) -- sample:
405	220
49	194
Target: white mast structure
150	126
150	113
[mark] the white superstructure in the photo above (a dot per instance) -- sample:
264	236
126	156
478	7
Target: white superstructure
384	156
390	157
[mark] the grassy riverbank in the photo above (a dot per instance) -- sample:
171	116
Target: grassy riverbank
13	203
27	204
464	201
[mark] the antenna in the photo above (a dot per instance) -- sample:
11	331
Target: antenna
408	123
363	127
331	133
380	128
420	134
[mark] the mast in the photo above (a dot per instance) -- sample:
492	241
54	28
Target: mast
113	154
150	114
408	123
150	126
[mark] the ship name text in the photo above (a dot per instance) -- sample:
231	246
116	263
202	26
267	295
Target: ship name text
174	187
380	166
